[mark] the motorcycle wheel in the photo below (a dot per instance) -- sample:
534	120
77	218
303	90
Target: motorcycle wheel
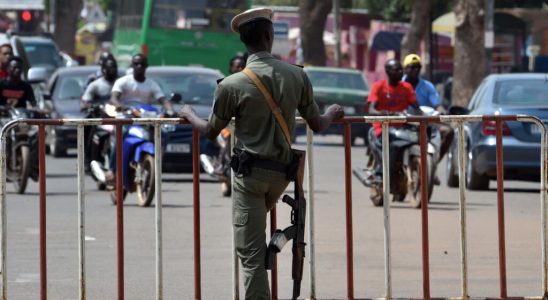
113	196
145	188
375	194
414	185
452	179
226	188
22	155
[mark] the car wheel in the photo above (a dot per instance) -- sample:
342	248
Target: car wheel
475	181
54	148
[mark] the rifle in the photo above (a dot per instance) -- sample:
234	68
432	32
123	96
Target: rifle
294	232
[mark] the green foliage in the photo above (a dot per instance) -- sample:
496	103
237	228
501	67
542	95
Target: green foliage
390	10
520	4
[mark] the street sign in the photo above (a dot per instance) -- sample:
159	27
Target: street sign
22	5
281	30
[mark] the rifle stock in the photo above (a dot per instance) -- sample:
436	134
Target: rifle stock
294	232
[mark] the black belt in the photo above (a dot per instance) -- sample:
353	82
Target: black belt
269	165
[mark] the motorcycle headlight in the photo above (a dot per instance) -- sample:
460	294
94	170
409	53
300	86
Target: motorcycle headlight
139	132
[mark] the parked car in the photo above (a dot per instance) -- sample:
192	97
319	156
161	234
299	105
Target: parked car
42	52
197	86
62	95
503	94
347	87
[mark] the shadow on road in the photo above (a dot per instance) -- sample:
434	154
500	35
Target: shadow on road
518	190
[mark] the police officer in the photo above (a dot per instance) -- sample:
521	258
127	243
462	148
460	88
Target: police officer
259	134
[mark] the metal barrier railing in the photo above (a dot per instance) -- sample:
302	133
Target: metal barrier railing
423	121
459	120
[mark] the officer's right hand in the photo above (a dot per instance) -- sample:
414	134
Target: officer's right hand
335	111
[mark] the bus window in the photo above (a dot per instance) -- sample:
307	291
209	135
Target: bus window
131	14
195	14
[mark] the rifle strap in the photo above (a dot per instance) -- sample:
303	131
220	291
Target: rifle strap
271	103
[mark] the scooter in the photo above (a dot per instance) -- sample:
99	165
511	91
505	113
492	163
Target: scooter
138	157
405	181
215	161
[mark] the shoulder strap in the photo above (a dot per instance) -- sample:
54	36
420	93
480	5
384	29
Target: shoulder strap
271	103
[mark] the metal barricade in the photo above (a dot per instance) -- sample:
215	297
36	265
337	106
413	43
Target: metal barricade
80	123
423	121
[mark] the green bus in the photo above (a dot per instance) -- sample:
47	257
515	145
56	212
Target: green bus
178	32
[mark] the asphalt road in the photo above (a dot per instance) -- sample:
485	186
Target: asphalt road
522	205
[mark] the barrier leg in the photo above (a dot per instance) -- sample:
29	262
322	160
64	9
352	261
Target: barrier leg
500	205
81	213
424	211
386	209
42	176
158	211
349	231
120	209
196	204
462	206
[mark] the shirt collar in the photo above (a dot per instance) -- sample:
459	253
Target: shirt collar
257	56
418	83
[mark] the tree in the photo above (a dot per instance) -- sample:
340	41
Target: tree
469	53
313	15
420	17
66	20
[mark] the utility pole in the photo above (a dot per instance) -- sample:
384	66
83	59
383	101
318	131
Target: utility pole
489	35
337	22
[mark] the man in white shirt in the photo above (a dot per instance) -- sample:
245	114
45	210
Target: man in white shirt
137	88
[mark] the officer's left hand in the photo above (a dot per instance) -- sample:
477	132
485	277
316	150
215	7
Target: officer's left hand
187	111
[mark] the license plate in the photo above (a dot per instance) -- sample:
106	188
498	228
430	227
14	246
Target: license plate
178	148
535	129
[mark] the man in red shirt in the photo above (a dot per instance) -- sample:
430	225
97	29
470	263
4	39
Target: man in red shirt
388	97
6	52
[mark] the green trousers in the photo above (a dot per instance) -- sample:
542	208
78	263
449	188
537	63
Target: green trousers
254	196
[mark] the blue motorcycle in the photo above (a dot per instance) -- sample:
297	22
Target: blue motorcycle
138	156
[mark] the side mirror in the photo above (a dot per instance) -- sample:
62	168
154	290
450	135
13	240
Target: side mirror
458	110
37	75
175	98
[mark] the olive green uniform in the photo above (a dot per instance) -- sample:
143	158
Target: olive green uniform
258	133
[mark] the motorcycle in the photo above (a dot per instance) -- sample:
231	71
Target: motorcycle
137	157
99	142
22	148
405	181
215	161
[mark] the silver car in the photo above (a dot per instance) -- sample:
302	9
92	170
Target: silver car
503	94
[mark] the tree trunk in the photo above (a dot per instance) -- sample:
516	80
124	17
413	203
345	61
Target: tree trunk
420	16
469	53
66	21
313	15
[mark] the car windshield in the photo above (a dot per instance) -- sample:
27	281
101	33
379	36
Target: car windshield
521	92
194	88
341	80
43	55
70	86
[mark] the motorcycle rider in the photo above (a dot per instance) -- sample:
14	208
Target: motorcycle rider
6	52
427	96
14	91
98	92
104	56
135	87
388	97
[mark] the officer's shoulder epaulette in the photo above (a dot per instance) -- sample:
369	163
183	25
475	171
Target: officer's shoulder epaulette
298	66
219	80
